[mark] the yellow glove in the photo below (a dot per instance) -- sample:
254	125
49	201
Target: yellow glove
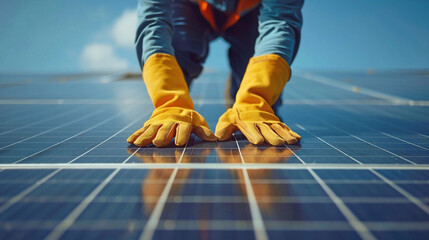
251	113
174	114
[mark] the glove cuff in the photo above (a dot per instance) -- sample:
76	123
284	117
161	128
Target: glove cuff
165	82
263	82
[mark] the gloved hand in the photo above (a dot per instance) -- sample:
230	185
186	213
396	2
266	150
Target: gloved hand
251	113
174	114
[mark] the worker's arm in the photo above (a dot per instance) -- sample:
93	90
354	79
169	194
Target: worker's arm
155	30
279	28
174	114
266	75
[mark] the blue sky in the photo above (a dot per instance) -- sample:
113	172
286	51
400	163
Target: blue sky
58	36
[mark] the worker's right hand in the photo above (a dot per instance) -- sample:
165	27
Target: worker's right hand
167	123
174	114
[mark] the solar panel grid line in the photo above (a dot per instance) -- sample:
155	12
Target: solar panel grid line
14	111
11	112
271	199
298	157
59	101
55	128
21	195
311	145
409	196
223	225
348	214
395	112
348	87
152	223
131	155
211	166
222	181
257	221
26	191
423	135
373	129
107	139
367	127
395	226
71	137
348	109
386	113
41	121
223	199
405	141
394	154
65	224
332	146
27	225
23	115
357	225
328	102
374	145
347	102
241	225
339	150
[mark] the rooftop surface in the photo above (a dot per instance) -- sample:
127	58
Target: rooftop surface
361	170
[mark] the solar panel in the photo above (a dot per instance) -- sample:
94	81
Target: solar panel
360	172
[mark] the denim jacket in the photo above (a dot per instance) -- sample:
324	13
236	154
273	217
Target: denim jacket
279	27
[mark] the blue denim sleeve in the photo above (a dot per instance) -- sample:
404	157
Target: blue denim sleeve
154	31
279	28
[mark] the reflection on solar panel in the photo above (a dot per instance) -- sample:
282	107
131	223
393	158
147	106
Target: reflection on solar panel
360	172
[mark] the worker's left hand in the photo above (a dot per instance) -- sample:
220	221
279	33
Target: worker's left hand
257	126
251	113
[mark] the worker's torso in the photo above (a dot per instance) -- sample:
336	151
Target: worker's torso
226	6
232	10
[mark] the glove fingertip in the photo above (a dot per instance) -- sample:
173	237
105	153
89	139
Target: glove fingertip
159	144
296	135
221	136
181	140
143	143
225	133
252	133
183	132
131	139
291	141
276	142
165	135
254	140
204	133
147	136
136	134
270	135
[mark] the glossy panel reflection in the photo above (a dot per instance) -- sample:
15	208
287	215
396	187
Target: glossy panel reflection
360	172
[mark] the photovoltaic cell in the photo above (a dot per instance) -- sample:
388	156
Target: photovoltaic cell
360	172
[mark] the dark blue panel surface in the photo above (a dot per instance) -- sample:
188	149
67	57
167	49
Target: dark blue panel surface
361	170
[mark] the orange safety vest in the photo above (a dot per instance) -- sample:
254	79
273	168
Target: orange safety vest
232	18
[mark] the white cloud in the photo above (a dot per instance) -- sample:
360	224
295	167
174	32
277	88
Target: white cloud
124	29
101	57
